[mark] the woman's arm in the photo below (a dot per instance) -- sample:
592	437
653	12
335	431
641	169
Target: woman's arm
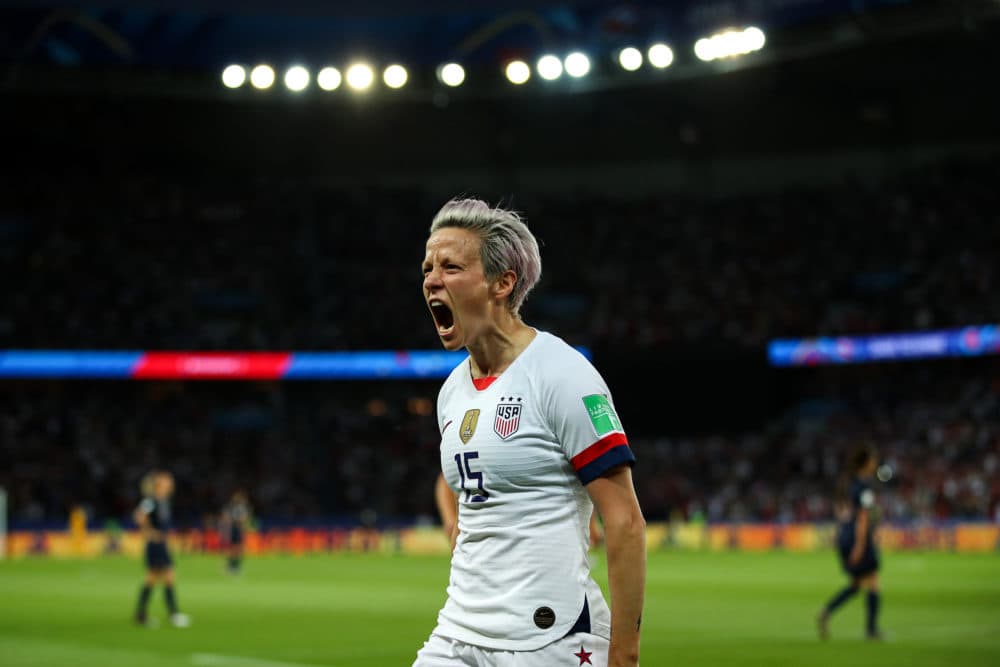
447	504
860	537
142	520
625	539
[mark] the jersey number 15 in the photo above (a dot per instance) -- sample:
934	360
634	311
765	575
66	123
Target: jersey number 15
467	474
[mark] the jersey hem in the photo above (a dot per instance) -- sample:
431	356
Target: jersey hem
473	639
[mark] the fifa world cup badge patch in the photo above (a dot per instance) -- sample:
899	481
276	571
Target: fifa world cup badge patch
602	415
508	417
468	428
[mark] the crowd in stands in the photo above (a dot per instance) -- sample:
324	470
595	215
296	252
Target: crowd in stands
936	431
313	452
134	260
143	261
302	452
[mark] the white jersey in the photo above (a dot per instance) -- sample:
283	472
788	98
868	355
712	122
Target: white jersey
519	452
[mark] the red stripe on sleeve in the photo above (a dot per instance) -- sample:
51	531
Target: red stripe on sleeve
598	449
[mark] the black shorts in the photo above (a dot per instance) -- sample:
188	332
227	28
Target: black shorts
236	536
868	564
157	556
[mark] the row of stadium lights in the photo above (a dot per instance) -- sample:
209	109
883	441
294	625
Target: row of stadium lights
360	76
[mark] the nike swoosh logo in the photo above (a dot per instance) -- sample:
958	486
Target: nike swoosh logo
446	425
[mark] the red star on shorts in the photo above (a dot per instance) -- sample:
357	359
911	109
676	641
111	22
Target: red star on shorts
584	656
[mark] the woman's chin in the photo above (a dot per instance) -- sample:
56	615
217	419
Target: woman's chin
451	340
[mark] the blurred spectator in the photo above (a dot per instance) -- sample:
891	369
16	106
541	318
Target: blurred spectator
303	452
133	260
313	451
936	428
143	260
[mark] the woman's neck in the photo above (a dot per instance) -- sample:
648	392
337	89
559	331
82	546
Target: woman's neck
496	350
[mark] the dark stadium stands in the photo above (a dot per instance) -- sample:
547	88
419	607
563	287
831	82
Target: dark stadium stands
140	259
133	260
319	452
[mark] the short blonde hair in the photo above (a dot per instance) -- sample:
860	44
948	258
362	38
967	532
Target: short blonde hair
146	483
506	243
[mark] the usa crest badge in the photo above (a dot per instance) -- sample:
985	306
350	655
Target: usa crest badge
508	417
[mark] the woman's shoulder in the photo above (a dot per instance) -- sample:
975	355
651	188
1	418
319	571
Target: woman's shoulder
553	350
556	363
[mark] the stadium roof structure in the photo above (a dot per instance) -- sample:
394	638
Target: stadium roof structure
182	46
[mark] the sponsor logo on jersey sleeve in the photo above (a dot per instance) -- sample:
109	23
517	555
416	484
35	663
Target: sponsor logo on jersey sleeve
602	415
468	428
508	417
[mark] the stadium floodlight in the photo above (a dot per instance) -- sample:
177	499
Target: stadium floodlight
577	64
395	76
704	48
360	76
297	78
518	72
262	77
234	76
329	78
630	58
549	67
730	43
754	38
660	56
451	74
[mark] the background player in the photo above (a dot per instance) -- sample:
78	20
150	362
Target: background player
531	442
235	524
856	546
153	518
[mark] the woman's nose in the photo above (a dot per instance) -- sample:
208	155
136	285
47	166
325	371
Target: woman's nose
432	278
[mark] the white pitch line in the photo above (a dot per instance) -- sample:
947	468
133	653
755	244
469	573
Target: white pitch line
219	660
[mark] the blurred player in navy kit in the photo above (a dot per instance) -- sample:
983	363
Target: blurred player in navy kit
235	525
153	518
855	543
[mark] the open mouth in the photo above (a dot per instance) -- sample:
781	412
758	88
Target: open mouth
443	317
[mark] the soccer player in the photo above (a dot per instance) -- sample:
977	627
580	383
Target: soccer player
530	442
153	518
856	546
235	523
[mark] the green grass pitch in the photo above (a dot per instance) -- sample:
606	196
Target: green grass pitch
351	610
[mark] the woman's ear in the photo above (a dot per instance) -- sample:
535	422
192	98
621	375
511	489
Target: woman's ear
503	286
